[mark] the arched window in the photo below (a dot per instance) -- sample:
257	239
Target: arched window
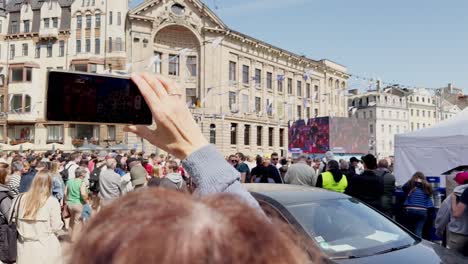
337	84
343	85
330	82
213	134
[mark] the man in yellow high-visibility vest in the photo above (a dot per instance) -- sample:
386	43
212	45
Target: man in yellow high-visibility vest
333	179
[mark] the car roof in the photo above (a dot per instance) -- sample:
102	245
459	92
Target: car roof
288	194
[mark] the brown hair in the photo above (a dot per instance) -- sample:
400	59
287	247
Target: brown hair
3	175
172	165
426	187
216	229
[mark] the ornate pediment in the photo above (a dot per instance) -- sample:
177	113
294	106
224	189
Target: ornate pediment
192	13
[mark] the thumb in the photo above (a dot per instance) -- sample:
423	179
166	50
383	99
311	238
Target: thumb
141	131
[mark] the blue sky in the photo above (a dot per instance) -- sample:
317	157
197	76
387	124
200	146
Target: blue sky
420	43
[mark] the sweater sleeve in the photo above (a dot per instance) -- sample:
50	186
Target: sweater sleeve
212	174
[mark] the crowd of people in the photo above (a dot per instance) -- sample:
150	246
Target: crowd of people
370	181
185	207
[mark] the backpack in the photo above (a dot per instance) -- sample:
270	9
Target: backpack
64	173
9	233
3	195
94	179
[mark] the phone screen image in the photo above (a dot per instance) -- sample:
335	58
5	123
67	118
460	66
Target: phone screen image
78	97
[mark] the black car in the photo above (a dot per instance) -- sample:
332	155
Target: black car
345	229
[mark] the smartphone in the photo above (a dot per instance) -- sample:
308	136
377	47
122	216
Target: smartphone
95	98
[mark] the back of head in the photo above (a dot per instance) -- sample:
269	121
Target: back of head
344	165
241	156
216	229
332	165
40	191
302	158
370	162
111	163
3	175
16	166
383	163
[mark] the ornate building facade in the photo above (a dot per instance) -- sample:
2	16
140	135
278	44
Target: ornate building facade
80	35
242	91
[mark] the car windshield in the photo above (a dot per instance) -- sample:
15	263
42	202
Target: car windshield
348	228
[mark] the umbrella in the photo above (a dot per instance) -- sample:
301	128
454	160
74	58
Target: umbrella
459	168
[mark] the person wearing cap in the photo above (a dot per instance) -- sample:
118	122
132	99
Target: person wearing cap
138	176
367	187
457	227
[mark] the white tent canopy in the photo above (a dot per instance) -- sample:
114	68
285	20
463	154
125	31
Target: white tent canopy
432	150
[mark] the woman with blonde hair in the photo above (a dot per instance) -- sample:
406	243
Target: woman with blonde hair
38	221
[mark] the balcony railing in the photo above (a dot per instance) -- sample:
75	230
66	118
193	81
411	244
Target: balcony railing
48	33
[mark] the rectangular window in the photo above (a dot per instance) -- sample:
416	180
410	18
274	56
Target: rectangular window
417	113
290	90
110	17
25	49
38	50
258	77
88	21
12	51
232	101
191	96
371	129
92	68
270	136
118	44
16	75
315	112
98	20
308	90
157	62
111	133
247	135
280	85
299	88
79	22
14	27
232	71
97	46
269	80
16	104
383	129
27	26
80	67
412	126
110	45
54	133
55	22
192	65
299	112
233	134
245	74
259	135
78	46
173	65
46	22
119	18
281	137
49	49
28	74
88	45
258	104
61	48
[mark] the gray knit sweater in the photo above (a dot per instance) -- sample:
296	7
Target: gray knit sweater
213	174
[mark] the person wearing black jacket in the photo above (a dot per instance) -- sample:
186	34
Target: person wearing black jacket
265	172
367	187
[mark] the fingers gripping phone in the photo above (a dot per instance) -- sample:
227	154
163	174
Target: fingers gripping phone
95	98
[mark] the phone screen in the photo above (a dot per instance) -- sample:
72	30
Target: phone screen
81	97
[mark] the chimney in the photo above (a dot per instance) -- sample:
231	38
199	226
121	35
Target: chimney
450	88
